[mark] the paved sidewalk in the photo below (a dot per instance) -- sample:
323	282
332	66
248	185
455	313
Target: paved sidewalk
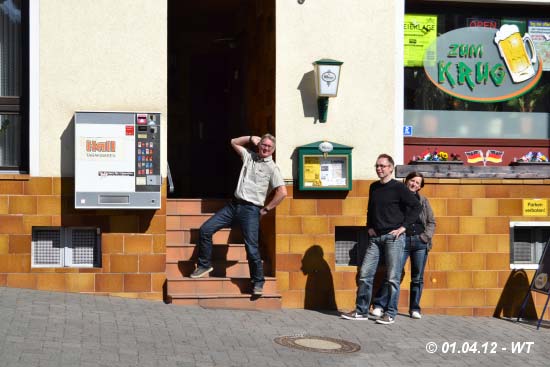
62	329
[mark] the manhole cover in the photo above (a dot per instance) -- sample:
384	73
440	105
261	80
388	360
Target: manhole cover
320	344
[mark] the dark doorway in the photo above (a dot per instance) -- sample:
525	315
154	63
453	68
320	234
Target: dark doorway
216	51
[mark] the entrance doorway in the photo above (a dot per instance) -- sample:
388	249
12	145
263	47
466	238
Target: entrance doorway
221	84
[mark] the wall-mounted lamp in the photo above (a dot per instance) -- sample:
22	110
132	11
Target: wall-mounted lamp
327	76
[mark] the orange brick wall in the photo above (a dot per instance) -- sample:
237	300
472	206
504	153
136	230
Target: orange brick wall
467	269
133	241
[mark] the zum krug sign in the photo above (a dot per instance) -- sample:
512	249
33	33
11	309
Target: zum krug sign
483	64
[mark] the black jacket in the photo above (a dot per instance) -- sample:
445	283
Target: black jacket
391	205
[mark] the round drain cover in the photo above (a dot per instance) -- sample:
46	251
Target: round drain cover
320	344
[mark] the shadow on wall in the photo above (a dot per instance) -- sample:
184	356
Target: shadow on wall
512	296
67	150
309	96
319	286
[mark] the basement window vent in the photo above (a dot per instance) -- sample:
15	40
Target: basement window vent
527	242
54	247
350	244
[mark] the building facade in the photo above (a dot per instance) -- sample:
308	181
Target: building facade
219	69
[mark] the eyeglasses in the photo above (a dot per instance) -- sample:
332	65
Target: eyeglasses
382	165
266	146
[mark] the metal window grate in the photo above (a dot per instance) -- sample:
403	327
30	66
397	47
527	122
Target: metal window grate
345	251
527	243
46	247
83	243
523	252
349	245
66	247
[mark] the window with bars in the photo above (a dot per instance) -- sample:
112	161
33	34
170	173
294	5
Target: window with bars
350	245
527	243
13	85
66	247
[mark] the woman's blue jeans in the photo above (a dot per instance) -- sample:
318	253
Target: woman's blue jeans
418	252
248	216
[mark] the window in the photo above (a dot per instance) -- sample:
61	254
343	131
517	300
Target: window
54	247
350	245
527	243
13	86
436	118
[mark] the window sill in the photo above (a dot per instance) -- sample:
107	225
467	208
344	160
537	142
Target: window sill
14	176
443	170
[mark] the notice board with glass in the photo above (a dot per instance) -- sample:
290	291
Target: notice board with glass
324	165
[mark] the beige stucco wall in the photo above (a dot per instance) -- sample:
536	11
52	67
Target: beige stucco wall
360	33
99	55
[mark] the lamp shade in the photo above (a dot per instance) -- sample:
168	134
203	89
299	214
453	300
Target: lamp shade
327	77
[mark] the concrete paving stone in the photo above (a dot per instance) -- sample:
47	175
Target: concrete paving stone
178	358
179	352
106	357
30	358
49	363
205	364
91	344
203	357
128	350
70	357
152	357
185	363
219	357
168	335
29	363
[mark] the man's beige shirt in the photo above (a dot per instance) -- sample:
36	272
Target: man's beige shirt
258	177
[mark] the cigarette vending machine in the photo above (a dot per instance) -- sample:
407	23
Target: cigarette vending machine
117	160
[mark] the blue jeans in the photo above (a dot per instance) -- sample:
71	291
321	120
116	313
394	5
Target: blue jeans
418	251
248	216
392	250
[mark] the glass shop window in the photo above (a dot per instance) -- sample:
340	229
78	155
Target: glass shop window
432	113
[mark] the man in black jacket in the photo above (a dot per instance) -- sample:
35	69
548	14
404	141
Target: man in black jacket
392	208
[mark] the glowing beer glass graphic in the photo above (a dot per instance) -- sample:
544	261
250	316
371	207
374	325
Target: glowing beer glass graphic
512	49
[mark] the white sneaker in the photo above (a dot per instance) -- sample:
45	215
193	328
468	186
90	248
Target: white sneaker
377	312
416	315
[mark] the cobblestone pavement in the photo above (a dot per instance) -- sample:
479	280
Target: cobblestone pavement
62	329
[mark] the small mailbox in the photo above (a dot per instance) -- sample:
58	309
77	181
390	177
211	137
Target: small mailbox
324	165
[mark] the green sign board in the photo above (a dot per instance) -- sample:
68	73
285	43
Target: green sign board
324	165
484	64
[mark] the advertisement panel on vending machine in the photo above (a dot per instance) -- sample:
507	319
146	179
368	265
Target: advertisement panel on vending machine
117	160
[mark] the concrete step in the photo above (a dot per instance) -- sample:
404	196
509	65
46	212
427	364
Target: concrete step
240	302
186	236
179	222
194	206
228	285
222	268
230	252
215	285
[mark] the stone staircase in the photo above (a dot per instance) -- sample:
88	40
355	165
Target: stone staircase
228	285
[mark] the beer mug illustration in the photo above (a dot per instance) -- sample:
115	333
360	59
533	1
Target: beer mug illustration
512	49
